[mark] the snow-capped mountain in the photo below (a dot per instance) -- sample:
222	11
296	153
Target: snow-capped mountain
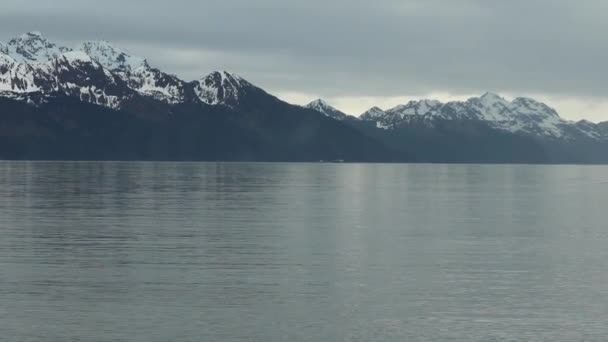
31	66
34	70
522	115
380	117
221	88
135	111
326	109
100	102
415	108
138	74
32	47
117	60
76	74
94	71
373	113
71	73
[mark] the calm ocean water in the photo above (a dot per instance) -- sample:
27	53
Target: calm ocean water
302	252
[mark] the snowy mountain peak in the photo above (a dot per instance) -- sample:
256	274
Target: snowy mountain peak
221	88
113	58
33	47
326	109
228	78
490	99
318	103
137	72
415	107
373	114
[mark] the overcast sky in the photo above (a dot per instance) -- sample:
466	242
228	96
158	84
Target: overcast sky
353	53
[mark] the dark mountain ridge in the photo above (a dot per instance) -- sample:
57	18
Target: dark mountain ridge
100	102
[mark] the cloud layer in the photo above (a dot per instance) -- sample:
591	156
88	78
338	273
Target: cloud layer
355	51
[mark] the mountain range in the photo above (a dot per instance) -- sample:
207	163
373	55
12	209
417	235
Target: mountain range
97	101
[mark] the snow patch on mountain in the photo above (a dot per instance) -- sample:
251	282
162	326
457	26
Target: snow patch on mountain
372	113
33	47
16	77
113	58
76	74
326	109
220	88
73	57
415	108
157	84
136	71
18	80
489	107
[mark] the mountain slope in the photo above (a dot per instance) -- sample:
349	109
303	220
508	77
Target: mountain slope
603	127
64	127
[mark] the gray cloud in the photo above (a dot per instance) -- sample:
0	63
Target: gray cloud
340	48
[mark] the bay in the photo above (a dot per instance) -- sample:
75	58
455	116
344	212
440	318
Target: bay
121	251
